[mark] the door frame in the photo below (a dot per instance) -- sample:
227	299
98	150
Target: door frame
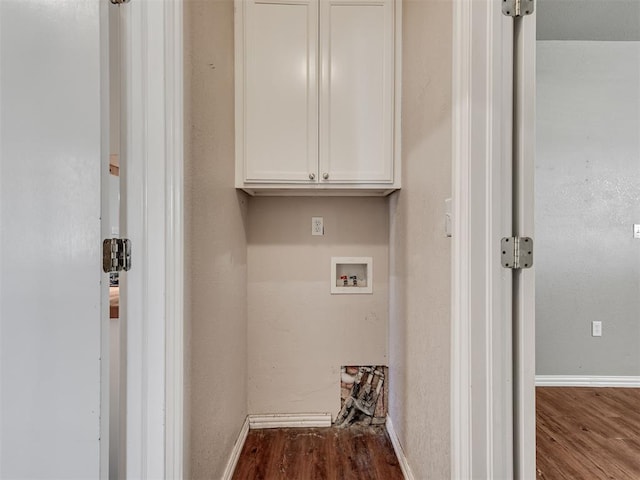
491	432
524	119
153	292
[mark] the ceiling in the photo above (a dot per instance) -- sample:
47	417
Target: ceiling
616	20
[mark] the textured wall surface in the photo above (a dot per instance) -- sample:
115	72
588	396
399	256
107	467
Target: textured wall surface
299	334
617	20
587	200
420	253
215	242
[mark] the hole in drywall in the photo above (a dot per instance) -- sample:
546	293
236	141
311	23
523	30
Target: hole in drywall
363	394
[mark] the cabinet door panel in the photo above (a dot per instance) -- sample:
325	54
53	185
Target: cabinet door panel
357	92
280	90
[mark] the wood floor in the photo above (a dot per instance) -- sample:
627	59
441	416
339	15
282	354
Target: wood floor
588	433
354	453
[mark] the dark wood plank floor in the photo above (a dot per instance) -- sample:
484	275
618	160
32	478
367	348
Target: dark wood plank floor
353	453
588	433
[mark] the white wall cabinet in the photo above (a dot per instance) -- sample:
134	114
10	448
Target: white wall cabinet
317	96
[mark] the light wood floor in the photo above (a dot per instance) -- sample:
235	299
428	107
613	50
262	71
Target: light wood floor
354	453
588	433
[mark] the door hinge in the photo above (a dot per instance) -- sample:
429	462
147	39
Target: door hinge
116	255
119	2
517	252
517	8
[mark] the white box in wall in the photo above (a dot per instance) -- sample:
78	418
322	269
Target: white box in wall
351	275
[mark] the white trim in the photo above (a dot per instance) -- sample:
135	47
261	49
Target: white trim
481	417
587	381
289	420
460	323
524	281
152	291
237	449
397	447
397	101
174	249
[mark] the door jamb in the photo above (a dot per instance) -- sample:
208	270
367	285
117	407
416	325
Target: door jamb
523	223
152	174
481	376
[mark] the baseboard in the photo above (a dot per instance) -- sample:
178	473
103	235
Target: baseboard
235	453
289	420
395	441
586	381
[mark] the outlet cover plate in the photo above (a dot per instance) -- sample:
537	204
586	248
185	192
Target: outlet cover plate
596	329
317	226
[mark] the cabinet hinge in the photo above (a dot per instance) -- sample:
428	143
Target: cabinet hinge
517	8
517	252
116	255
119	2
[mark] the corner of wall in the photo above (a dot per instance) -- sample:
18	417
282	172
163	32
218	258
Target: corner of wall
420	252
215	245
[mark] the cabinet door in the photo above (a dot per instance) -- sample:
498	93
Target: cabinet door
279	109
357	91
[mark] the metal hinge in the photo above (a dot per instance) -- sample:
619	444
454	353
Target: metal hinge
517	8
119	2
517	252
116	255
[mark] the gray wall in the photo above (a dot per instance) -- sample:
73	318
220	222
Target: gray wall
588	20
587	200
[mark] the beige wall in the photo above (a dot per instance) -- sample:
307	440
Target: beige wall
420	253
275	324
299	334
215	243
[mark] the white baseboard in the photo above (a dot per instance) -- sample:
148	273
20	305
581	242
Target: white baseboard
290	420
586	381
404	464
235	453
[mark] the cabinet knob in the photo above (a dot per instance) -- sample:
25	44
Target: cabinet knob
325	176
312	176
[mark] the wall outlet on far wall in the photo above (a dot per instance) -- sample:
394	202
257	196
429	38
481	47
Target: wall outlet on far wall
317	226
596	329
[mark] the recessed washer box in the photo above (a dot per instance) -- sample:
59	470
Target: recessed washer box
351	275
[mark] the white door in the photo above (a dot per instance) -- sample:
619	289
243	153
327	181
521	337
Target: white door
51	152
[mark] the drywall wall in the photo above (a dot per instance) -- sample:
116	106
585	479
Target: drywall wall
420	253
215	243
587	200
299	333
606	20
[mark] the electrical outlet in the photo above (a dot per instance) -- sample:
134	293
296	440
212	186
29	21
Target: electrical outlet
317	226
596	329
636	230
